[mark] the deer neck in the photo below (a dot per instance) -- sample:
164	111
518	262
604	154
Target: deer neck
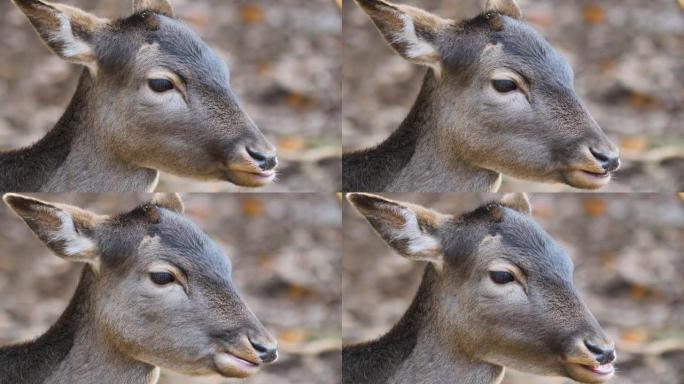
416	157
72	351
415	352
92	358
436	165
74	156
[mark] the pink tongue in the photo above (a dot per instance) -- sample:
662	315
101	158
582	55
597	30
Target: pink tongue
603	369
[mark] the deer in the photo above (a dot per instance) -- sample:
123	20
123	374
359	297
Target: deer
152	97
496	292
496	99
154	292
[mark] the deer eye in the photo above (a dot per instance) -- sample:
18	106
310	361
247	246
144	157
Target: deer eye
162	278
160	85
500	277
504	86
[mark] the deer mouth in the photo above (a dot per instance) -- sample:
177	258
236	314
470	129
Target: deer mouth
587	179
230	365
251	177
590	373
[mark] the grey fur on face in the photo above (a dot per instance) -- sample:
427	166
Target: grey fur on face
155	292
497	292
153	97
463	132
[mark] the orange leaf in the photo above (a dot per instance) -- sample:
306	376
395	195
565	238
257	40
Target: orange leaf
252	207
251	14
291	144
634	335
292	336
634	144
594	207
638	292
593	14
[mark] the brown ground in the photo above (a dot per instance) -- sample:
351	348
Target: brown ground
284	61
285	251
628	57
627	250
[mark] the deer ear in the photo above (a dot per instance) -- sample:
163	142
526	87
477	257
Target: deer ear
412	32
170	201
68	31
410	229
505	7
66	230
518	201
162	7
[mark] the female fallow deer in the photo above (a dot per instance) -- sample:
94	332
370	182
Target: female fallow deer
153	96
154	291
497	99
497	291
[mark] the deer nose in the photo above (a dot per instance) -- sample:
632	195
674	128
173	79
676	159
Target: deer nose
268	353
610	162
265	161
603	354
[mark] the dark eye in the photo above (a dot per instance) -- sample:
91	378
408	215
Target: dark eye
162	278
160	85
501	277
504	86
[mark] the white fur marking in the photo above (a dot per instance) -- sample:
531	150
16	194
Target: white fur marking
419	243
72	47
416	48
74	244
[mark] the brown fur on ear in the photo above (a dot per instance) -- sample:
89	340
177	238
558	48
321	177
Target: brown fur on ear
410	229
170	201
65	229
504	7
410	31
518	201
162	7
66	30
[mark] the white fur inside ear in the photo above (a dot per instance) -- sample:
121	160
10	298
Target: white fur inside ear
421	245
416	49
73	49
75	245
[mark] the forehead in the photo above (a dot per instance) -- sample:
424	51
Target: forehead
179	240
160	40
522	46
526	244
489	42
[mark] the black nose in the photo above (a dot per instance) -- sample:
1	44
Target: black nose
265	161
609	162
603	354
267	353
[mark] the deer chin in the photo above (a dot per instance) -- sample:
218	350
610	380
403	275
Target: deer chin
250	177
230	365
586	179
590	373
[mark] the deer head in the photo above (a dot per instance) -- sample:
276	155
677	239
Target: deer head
503	98
158	96
501	289
162	292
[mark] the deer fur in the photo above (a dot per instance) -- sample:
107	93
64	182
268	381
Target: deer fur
462	133
118	132
465	327
120	325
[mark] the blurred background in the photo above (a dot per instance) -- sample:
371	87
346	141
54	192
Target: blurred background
285	251
628	58
284	58
627	251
